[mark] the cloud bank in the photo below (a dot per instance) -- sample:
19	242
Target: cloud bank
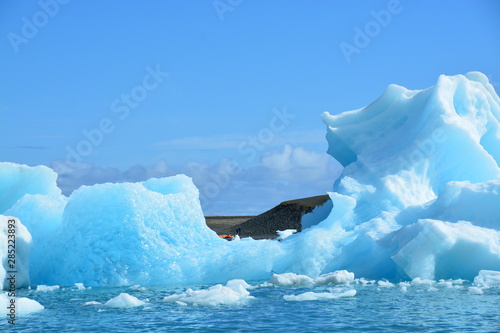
227	188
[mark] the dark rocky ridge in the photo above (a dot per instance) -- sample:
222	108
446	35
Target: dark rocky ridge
287	215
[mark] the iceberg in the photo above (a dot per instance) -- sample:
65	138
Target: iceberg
423	170
487	278
418	199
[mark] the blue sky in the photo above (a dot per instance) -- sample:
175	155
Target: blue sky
229	92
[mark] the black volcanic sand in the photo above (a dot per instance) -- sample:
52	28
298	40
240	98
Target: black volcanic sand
219	224
287	215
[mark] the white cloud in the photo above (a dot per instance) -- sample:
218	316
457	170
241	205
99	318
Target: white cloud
225	187
299	163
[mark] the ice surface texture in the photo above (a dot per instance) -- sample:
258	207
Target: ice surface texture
418	198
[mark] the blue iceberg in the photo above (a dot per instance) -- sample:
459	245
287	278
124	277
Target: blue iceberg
419	197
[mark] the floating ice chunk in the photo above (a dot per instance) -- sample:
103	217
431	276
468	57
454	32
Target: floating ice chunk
80	286
282	234
487	278
457	284
475	291
422	282
137	287
403	286
23	305
365	282
447	284
44	288
238	285
92	303
291	279
124	300
337	277
385	284
312	296
233	293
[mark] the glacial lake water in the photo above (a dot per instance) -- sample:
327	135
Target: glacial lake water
374	308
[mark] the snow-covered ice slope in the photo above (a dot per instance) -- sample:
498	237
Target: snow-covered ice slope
419	196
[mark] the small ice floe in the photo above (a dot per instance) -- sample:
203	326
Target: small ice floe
312	296
456	284
447	284
487	278
385	284
403	286
43	288
23	305
282	234
234	292
337	277
422	282
137	287
475	291
296	280
291	279
80	286
92	303
124	300
365	282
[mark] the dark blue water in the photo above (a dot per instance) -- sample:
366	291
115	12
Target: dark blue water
373	309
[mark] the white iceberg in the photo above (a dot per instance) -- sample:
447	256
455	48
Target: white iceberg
43	288
21	305
234	292
487	278
124	301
